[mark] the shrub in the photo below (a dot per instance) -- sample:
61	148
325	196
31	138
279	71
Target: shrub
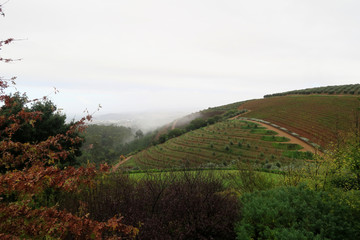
188	205
267	166
246	179
297	212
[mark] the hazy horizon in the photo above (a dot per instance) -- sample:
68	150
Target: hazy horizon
161	55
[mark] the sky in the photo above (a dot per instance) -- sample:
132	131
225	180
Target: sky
183	55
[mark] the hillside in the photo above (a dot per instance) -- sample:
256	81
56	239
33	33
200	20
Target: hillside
321	115
319	118
222	144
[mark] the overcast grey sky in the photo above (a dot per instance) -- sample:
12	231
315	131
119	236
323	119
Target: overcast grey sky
138	55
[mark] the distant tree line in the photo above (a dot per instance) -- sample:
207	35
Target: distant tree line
351	89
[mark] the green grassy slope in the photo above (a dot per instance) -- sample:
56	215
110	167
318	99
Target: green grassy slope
219	145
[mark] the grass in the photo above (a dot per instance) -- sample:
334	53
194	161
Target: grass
298	155
264	132
287	146
228	176
275	139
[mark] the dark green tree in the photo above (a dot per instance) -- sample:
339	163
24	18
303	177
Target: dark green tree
139	134
48	122
196	124
175	132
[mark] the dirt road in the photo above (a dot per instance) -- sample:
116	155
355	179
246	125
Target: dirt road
174	124
116	166
306	146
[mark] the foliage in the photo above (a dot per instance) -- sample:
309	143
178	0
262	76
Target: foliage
187	205
47	123
248	179
275	138
107	143
299	155
20	190
339	165
27	175
344	162
139	133
175	133
196	124
20	221
138	144
341	89
104	144
296	212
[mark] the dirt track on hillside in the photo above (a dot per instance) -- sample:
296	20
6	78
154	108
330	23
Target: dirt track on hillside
174	124
306	146
116	166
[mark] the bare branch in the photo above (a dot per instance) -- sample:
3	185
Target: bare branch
1	6
7	60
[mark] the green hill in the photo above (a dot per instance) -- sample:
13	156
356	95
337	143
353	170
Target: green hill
222	144
321	119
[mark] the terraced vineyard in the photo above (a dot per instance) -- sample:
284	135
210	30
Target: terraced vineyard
317	117
222	144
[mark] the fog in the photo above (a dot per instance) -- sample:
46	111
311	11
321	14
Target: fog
141	55
145	121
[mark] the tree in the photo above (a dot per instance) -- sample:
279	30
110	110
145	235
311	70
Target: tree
139	134
49	123
175	133
26	210
104	143
196	124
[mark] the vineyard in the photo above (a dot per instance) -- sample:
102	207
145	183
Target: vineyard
318	118
222	144
351	89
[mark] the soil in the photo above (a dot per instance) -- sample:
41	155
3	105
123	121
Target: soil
174	124
306	146
116	166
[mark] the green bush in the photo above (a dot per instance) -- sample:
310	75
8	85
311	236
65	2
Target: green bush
296	213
